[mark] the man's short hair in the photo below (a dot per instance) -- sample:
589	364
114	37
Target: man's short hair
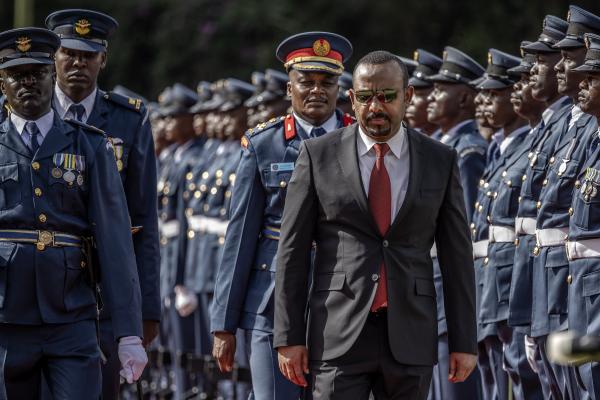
379	57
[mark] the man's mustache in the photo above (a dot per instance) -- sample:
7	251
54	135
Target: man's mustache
371	116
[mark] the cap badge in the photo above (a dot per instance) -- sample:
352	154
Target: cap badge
522	53
489	57
587	42
445	55
82	27
23	43
416	55
569	16
321	47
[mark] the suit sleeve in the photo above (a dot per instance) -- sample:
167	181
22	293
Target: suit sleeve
294	255
140	189
455	255
110	225
472	165
241	239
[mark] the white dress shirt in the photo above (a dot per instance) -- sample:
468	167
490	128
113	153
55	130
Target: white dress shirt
329	125
44	124
397	164
62	102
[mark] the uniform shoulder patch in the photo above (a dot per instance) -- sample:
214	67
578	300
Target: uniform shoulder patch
123	101
470	150
265	125
86	127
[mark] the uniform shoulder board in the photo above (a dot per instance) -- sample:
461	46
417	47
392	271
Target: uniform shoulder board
85	126
264	126
470	150
127	102
348	119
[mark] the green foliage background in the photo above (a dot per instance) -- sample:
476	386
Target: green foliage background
160	42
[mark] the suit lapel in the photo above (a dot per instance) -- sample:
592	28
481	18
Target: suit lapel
55	140
413	140
10	138
99	114
348	158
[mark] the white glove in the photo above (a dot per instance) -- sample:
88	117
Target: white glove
185	301
530	348
133	358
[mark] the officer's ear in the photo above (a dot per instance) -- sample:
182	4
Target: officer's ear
104	57
467	99
2	83
289	88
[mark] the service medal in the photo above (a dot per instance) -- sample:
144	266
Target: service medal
57	173
69	177
119	165
533	160
594	191
80	180
562	168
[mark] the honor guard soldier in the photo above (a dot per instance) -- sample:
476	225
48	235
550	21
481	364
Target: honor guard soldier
79	60
343	100
246	275
177	332
411	65
3	108
270	102
62	195
550	264
544	87
501	249
416	113
506	144
584	225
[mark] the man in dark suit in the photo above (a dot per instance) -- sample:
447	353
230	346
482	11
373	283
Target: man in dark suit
372	322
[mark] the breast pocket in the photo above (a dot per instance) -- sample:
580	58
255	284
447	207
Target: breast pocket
586	206
10	193
506	203
277	182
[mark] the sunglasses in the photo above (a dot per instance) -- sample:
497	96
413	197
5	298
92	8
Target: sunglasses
383	96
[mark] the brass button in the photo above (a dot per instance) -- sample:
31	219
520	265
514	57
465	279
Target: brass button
203	188
282	184
486	261
206	207
166	190
205	175
503	174
163	241
42	218
221	240
509	183
569	279
536	251
37	191
186	195
516	241
486	185
519	199
472	225
495	195
83	264
219	182
480	208
191	234
545	182
35	165
219	173
189	176
488	194
577	184
213	190
538	205
476	204
552	160
40	246
228	194
164	201
189	212
192	186
481	182
263	267
524	178
375	277
223	211
197	194
571	211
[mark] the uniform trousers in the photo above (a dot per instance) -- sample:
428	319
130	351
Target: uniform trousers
369	366
492	346
66	354
526	384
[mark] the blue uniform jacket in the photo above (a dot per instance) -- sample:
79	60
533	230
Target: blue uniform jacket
125	122
246	275
471	148
50	286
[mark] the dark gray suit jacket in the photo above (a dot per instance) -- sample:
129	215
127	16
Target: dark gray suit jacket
326	203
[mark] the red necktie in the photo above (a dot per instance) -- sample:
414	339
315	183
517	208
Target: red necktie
380	203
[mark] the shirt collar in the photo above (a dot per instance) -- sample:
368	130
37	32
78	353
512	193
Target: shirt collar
63	102
548	112
396	142
452	132
44	123
329	125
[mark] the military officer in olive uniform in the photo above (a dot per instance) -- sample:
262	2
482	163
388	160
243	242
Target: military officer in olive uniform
245	279
61	192
584	226
79	60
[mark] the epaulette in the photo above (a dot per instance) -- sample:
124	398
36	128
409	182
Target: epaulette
348	119
263	126
85	126
127	102
472	149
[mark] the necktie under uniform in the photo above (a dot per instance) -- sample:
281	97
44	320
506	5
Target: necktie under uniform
316	132
380	204
34	134
77	111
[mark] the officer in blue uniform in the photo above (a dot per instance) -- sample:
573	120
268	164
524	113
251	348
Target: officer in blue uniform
245	279
79	60
416	112
496	270
177	332
61	192
584	226
451	107
550	264
271	101
544	87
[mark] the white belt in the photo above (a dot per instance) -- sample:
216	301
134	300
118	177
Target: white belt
525	226
551	237
200	223
501	234
587	248
433	252
480	249
169	229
